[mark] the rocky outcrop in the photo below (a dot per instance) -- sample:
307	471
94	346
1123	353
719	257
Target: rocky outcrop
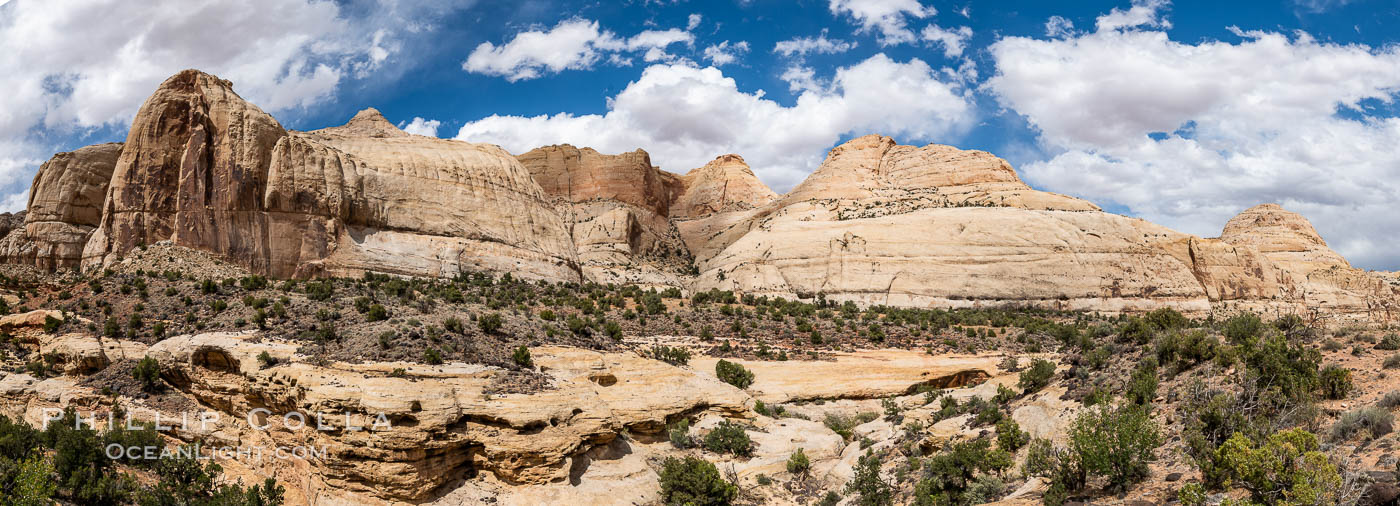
616	209
65	206
580	175
723	185
1285	237
440	422
207	170
877	222
936	226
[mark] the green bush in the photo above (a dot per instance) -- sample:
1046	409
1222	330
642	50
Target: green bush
733	374
490	323
1115	442
798	463
315	290
521	357
1391	341
952	473
1335	382
674	355
147	372
841	424
866	483
693	481
1010	437
1391	362
376	313
1037	376
729	437
51	324
453	325
1287	468
432	356
1142	385
1369	423
679	434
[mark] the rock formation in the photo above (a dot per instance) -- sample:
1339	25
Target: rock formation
616	208
876	223
207	170
725	184
65	206
880	223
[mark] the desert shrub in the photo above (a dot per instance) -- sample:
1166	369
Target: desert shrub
1391	362
1142	385
986	489
376	312
521	357
674	355
1391	341
1010	437
951	473
147	372
1369	423
1285	371
1036	376
1287	468
1165	319
266	360
798	463
315	290
1115	442
453	325
547	315
1135	330
679	434
613	330
1391	400
490	323
1040	458
51	324
1180	351
694	481
841	424
1243	327
432	356
733	374
1335	382
870	489
729	437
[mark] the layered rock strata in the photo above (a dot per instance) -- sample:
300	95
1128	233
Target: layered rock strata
207	170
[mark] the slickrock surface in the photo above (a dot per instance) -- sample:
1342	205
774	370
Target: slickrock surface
725	184
936	226
65	205
1285	237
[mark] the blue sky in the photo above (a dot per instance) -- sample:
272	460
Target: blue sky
1183	113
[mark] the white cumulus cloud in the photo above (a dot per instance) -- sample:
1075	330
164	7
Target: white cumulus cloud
1190	134
420	126
693	21
953	41
74	66
885	17
725	53
801	46
573	44
684	116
